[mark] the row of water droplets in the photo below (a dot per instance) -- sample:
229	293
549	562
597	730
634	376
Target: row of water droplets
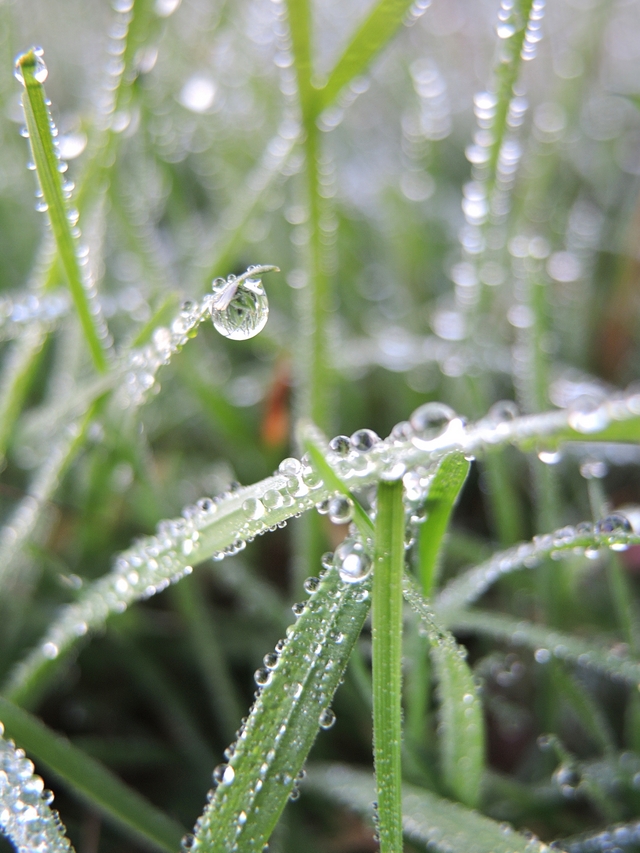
81	250
19	311
238	308
25	814
494	156
215	528
303	668
585	539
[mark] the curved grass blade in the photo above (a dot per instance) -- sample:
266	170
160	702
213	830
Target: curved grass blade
91	780
461	720
26	818
468	587
266	760
426	818
215	528
372	35
623	836
443	494
386	651
547	642
29	68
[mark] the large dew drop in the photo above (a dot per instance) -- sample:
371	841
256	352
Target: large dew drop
240	309
31	57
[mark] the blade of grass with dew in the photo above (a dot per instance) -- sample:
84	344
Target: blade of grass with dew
26	818
443	494
214	529
291	706
462	741
591	718
469	586
372	35
386	653
426	818
547	642
19	368
46	161
91	780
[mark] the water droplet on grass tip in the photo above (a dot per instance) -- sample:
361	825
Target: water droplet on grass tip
239	311
40	70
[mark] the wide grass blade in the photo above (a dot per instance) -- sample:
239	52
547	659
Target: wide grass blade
462	741
38	121
91	780
426	818
386	652
298	684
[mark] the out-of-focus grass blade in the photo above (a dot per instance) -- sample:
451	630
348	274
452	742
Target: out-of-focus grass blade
461	720
46	161
284	721
426	818
372	35
548	642
91	780
443	493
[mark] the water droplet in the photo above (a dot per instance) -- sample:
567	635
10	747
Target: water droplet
612	526
298	608
542	655
40	70
253	508
340	510
364	439
187	842
354	564
311	585
505	31
430	421
327	719
550	457
239	311
262	677
340	444
271	660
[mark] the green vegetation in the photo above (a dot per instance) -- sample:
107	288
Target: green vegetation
248	261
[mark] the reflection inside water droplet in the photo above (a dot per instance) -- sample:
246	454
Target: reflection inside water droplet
240	311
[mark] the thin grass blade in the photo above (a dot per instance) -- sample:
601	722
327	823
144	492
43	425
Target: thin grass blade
462	743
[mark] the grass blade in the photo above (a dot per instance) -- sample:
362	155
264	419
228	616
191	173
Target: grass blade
613	662
386	629
461	718
26	818
426	818
468	587
443	494
91	780
30	67
373	34
284	721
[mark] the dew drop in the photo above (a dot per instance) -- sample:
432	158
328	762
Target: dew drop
262	677
550	457
311	585
431	420
40	70
327	719
364	439
354	564
340	510
187	842
340	444
613	525
239	311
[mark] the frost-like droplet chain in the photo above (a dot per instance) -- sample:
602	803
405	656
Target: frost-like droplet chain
25	816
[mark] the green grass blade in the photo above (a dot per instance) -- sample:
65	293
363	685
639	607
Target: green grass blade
46	161
91	780
468	587
426	818
284	720
443	494
18	370
461	718
371	36
591	718
299	14
608	660
386	630
26	818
